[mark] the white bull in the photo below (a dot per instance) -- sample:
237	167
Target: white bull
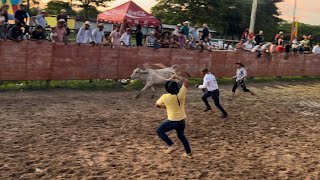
151	77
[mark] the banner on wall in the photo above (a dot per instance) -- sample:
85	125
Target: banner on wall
13	7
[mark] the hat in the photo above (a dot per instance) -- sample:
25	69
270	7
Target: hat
63	11
178	24
100	25
87	23
196	26
43	11
186	22
128	29
61	21
240	63
151	32
172	87
280	32
205	25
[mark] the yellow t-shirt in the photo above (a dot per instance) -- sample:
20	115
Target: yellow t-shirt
174	111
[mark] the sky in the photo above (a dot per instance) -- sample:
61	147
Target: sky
307	10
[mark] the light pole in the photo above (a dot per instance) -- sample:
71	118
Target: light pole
253	15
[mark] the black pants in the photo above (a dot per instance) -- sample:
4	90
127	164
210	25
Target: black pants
215	96
242	84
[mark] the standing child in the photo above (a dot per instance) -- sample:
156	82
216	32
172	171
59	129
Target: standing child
174	102
2	25
240	75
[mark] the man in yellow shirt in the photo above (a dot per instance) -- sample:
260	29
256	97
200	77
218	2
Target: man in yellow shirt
174	103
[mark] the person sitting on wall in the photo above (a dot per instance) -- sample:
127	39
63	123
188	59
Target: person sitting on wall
20	16
84	35
151	40
165	40
174	43
280	47
107	40
192	44
316	49
182	40
15	33
273	48
248	45
37	34
240	44
125	38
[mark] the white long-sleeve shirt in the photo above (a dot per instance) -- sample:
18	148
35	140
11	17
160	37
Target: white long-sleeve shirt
209	82
316	50
97	36
84	36
241	74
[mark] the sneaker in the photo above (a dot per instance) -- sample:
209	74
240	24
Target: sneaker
185	155
207	109
170	149
224	116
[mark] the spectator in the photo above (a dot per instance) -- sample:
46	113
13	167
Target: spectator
165	40
20	16
115	36
195	34
316	49
185	29
150	41
37	34
310	41
245	35
139	36
174	42
280	47
240	45
85	34
295	45
182	40
15	33
5	8
40	20
2	25
258	49
157	32
265	47
205	32
273	47
259	38
63	15
177	30
278	36
106	40
192	44
208	45
60	32
98	34
248	45
125	38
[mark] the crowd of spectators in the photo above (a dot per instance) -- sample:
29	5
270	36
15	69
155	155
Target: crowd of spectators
183	36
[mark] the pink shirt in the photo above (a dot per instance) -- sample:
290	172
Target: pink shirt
115	38
61	32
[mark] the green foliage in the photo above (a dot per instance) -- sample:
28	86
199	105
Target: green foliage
229	17
55	6
87	6
304	29
92	12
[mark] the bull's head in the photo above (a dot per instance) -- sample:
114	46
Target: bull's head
138	73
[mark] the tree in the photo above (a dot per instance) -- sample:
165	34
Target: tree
30	2
229	17
55	6
92	12
86	5
304	29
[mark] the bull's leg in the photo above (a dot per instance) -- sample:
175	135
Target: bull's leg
147	86
153	96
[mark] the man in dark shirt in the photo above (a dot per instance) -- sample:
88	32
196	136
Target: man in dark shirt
15	33
205	32
259	38
20	16
37	33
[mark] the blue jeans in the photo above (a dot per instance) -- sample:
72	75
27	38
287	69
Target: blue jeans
179	126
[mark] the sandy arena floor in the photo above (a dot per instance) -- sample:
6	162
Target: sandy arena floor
68	134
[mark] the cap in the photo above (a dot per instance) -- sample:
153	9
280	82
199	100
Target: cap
178	24
186	22
196	26
61	21
240	63
87	23
100	25
43	11
63	11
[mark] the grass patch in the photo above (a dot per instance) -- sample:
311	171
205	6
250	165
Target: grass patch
110	85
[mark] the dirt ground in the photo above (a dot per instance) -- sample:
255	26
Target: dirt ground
70	134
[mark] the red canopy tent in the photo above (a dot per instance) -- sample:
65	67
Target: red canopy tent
129	13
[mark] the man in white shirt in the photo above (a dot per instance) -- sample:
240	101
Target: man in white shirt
240	75
248	45
210	83
316	49
98	34
40	20
85	34
125	38
195	33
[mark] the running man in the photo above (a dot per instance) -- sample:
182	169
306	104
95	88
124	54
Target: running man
240	75
174	102
210	83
